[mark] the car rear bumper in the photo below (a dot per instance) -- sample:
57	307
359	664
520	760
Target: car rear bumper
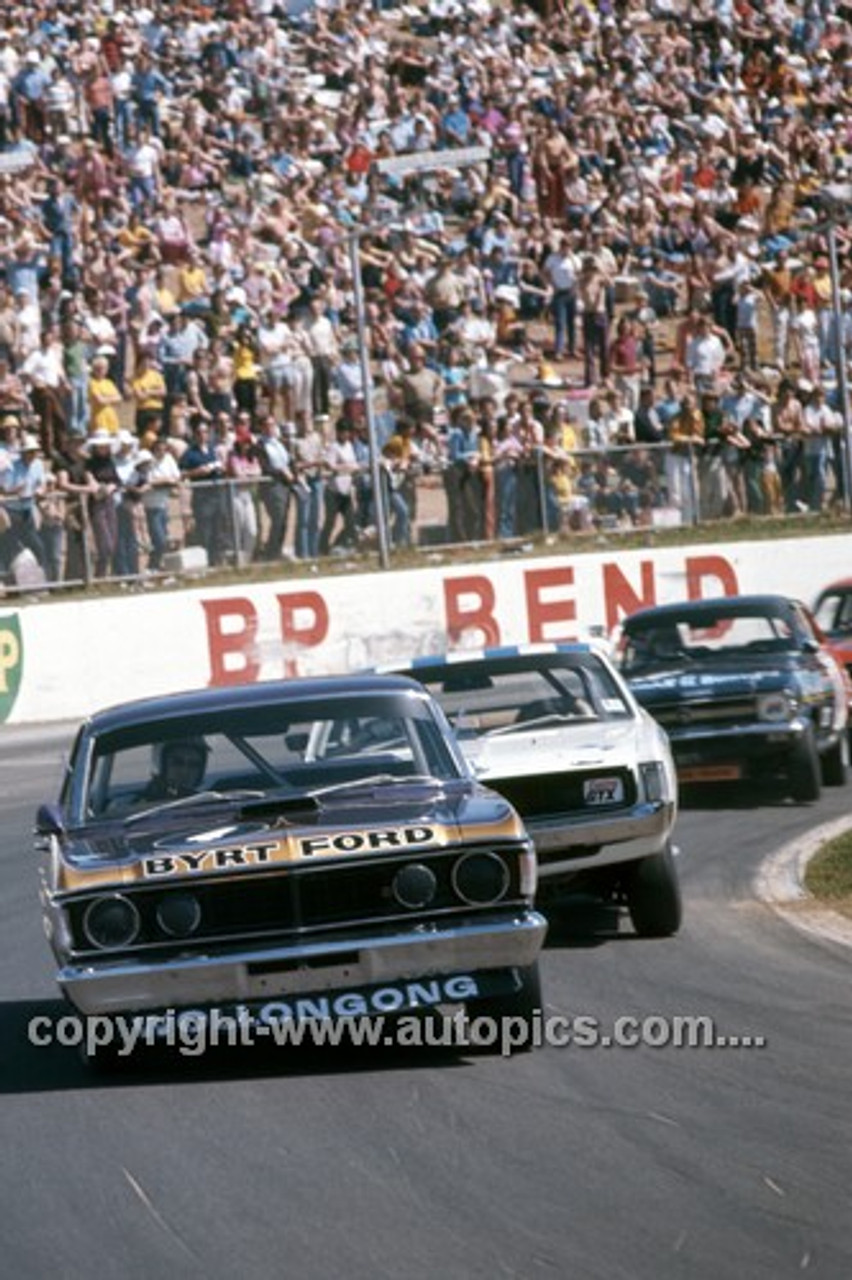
592	840
495	942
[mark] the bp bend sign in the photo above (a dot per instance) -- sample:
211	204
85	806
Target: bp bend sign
11	663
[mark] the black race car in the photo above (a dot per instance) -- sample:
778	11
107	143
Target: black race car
744	686
301	850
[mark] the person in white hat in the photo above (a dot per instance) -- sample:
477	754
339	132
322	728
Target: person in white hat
103	512
159	467
20	486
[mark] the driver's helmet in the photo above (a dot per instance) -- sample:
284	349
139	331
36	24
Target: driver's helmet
181	762
665	642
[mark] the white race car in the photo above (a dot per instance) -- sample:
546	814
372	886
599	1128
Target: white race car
554	728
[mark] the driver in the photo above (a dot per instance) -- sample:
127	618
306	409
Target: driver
182	764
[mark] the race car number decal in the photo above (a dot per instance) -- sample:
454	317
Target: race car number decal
603	791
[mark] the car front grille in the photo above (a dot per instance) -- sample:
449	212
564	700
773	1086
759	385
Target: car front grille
717	712
549	793
293	902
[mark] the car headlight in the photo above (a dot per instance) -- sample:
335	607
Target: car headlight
179	915
654	781
111	922
414	886
480	879
776	707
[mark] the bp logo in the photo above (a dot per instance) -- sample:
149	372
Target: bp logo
11	663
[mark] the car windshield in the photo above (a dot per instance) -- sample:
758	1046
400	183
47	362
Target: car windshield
288	750
703	636
487	697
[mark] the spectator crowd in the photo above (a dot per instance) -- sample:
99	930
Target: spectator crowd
595	256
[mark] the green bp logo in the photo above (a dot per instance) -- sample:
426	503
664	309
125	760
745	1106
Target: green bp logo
11	663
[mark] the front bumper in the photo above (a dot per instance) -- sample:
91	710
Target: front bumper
492	942
763	747
595	840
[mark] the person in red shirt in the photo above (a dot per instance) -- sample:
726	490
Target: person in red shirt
98	93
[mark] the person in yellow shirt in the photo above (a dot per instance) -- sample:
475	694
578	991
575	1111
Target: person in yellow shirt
148	388
686	439
166	297
246	370
104	398
193	286
136	241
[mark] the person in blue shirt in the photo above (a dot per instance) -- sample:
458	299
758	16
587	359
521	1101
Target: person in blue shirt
28	88
20	485
57	214
497	234
462	478
147	86
455	125
201	465
422	331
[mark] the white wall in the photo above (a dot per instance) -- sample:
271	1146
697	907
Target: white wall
63	660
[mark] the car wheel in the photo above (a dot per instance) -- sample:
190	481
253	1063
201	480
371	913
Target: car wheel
521	1006
804	770
835	763
653	895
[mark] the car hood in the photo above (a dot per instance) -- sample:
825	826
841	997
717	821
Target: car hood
731	678
556	748
234	838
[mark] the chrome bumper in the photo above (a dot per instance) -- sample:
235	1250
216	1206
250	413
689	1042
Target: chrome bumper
749	736
637	833
250	975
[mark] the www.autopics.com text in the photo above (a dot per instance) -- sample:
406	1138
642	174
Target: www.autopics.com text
193	1032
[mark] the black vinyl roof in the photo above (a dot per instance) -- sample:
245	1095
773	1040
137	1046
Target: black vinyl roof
244	696
717	607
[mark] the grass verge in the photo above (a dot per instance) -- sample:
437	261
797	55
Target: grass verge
829	874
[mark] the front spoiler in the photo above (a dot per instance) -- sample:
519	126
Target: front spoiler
493	942
598	841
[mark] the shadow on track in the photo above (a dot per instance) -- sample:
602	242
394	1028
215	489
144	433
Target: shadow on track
27	1067
581	921
763	793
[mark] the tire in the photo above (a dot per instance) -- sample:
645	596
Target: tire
835	763
653	896
520	1005
804	771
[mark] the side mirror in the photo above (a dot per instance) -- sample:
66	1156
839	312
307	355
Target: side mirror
49	821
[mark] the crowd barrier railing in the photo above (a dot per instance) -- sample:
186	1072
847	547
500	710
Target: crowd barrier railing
68	541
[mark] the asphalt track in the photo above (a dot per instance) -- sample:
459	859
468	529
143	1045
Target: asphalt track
567	1162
